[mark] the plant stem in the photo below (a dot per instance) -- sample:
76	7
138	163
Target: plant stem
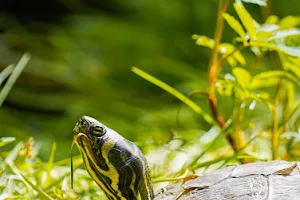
275	132
214	68
257	62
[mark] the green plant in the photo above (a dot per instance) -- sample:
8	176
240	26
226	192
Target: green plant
253	112
273	87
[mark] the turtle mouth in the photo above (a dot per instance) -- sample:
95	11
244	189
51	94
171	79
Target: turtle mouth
81	127
76	129
80	138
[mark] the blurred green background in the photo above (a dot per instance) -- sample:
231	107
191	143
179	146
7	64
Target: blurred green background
82	52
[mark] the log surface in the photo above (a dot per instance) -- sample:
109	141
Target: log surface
254	181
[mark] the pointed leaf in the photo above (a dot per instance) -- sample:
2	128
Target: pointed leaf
271	78
261	83
291	63
273	19
50	164
295	69
239	57
203	40
231	61
242	76
13	154
246	19
14	76
235	25
263	35
175	93
6	140
289	92
226	49
5	73
289	22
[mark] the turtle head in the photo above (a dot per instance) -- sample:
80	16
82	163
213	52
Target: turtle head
90	127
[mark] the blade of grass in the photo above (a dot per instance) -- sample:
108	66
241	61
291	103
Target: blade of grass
14	76
6	140
183	176
50	164
67	161
18	197
175	93
28	182
6	72
227	129
14	153
72	169
210	162
240	150
61	178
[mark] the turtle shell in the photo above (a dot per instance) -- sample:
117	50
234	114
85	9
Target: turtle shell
261	180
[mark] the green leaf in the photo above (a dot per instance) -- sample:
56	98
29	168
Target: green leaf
263	35
239	57
13	77
289	22
242	76
257	2
291	63
13	154
231	61
271	78
265	79
226	49
246	19
289	93
50	164
293	41
5	73
273	19
203	40
235	25
175	93
42	193
225	87
295	69
6	140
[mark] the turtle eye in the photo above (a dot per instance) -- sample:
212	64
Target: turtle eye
98	131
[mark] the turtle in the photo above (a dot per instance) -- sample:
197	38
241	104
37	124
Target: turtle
120	169
116	164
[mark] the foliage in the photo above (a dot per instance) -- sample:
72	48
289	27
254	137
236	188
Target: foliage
253	110
248	87
25	176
